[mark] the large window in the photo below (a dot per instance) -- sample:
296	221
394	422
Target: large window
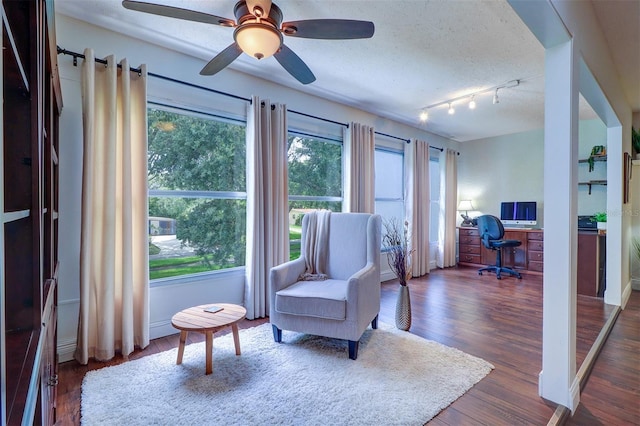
197	198
389	181
315	179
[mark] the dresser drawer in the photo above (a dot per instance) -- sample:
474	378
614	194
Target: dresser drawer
535	245
468	232
535	256
469	258
535	266
470	240
535	236
469	249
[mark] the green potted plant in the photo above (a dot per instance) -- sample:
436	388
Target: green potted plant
601	218
635	141
596	151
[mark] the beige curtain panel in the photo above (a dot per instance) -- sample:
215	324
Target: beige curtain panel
417	202
359	169
448	199
114	287
267	200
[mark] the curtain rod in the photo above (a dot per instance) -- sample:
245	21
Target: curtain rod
162	77
406	140
77	55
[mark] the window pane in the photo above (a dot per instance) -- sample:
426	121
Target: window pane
315	166
389	174
390	210
187	152
297	210
191	235
389	185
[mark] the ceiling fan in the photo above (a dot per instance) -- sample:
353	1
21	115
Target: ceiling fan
259	30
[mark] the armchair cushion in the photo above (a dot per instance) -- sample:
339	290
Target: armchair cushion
324	299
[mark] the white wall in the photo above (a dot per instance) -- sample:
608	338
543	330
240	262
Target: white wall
510	168
635	212
171	296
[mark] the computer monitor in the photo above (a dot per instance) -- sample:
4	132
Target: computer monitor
519	213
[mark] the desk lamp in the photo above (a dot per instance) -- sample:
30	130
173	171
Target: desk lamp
465	205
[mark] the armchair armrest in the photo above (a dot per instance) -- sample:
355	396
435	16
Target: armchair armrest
284	275
363	293
364	279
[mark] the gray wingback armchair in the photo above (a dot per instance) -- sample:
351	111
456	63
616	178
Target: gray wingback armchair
343	305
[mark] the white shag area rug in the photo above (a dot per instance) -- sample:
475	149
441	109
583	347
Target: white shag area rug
398	379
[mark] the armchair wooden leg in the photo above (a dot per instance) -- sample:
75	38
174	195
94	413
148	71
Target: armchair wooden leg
277	334
374	323
353	349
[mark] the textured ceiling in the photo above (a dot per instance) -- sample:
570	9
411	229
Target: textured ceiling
422	53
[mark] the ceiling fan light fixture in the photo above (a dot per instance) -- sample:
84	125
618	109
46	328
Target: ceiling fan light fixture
258	40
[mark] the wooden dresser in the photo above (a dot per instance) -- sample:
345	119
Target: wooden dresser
526	258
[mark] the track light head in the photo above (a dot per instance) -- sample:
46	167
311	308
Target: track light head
424	115
472	103
451	110
495	98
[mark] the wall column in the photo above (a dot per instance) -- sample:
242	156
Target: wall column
557	380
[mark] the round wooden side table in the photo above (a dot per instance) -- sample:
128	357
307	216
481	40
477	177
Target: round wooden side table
198	320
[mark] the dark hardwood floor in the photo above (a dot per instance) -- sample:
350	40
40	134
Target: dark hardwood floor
497	320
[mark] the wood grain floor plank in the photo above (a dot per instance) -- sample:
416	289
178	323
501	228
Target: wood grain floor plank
497	320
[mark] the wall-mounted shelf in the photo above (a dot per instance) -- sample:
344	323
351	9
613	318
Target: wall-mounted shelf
597	158
593	182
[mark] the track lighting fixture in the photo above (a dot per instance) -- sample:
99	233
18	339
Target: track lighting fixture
472	98
451	110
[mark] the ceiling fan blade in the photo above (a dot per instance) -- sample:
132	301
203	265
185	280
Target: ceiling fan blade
329	29
265	5
222	59
294	65
176	12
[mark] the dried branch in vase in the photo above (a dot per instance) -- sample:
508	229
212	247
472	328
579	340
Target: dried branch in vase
395	241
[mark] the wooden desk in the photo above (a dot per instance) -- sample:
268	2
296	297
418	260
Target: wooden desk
526	258
196	319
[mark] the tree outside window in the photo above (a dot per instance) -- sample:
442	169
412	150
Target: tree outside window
197	193
315	180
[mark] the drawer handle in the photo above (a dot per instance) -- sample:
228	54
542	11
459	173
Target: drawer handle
53	380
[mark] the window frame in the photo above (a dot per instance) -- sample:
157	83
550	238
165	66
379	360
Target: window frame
195	194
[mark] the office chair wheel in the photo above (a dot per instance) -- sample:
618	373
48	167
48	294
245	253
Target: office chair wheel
479	273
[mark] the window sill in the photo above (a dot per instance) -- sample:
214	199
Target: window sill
202	276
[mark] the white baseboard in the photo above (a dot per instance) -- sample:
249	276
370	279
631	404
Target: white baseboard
161	329
66	349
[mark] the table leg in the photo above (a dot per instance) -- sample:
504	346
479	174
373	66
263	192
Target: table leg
183	339
209	349
236	338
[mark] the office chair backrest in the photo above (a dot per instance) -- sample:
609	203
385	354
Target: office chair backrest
490	228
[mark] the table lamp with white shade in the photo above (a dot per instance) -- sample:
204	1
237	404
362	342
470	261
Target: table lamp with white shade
465	205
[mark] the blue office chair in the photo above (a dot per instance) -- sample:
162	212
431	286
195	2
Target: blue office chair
491	233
